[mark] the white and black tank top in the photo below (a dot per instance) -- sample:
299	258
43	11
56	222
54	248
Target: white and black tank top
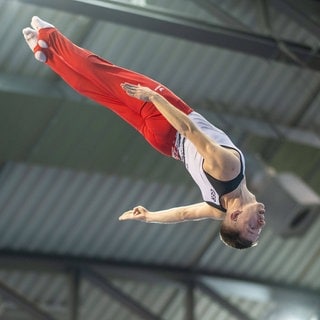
211	189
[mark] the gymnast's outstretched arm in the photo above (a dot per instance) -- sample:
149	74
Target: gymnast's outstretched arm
198	211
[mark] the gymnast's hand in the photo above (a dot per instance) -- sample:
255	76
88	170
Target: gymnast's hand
137	91
138	213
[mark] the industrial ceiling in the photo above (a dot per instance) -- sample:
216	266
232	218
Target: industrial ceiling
69	167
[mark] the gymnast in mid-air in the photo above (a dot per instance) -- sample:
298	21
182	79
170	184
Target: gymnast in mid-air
170	126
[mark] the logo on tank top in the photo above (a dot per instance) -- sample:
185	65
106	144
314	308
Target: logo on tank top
213	195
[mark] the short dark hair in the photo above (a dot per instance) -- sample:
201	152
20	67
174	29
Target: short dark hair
232	238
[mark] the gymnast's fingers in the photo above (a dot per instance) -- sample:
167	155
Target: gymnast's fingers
127	215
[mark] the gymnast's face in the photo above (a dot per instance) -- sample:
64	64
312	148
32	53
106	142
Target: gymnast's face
250	221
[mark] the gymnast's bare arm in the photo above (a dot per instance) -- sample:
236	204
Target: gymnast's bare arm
194	212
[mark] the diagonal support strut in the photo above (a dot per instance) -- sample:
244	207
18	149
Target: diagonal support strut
25	304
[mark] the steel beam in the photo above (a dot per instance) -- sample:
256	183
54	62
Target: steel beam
107	287
171	24
74	279
222	15
29	307
190	302
145	272
296	14
217	298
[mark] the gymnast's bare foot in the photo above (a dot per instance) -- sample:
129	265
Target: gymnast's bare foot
31	37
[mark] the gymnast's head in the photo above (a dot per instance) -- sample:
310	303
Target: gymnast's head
241	228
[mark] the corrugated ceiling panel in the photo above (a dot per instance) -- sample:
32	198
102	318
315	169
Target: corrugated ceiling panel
58	201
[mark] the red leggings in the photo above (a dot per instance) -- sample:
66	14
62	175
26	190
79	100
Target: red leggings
100	80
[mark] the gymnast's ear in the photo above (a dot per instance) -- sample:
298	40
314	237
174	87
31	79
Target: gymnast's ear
234	215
